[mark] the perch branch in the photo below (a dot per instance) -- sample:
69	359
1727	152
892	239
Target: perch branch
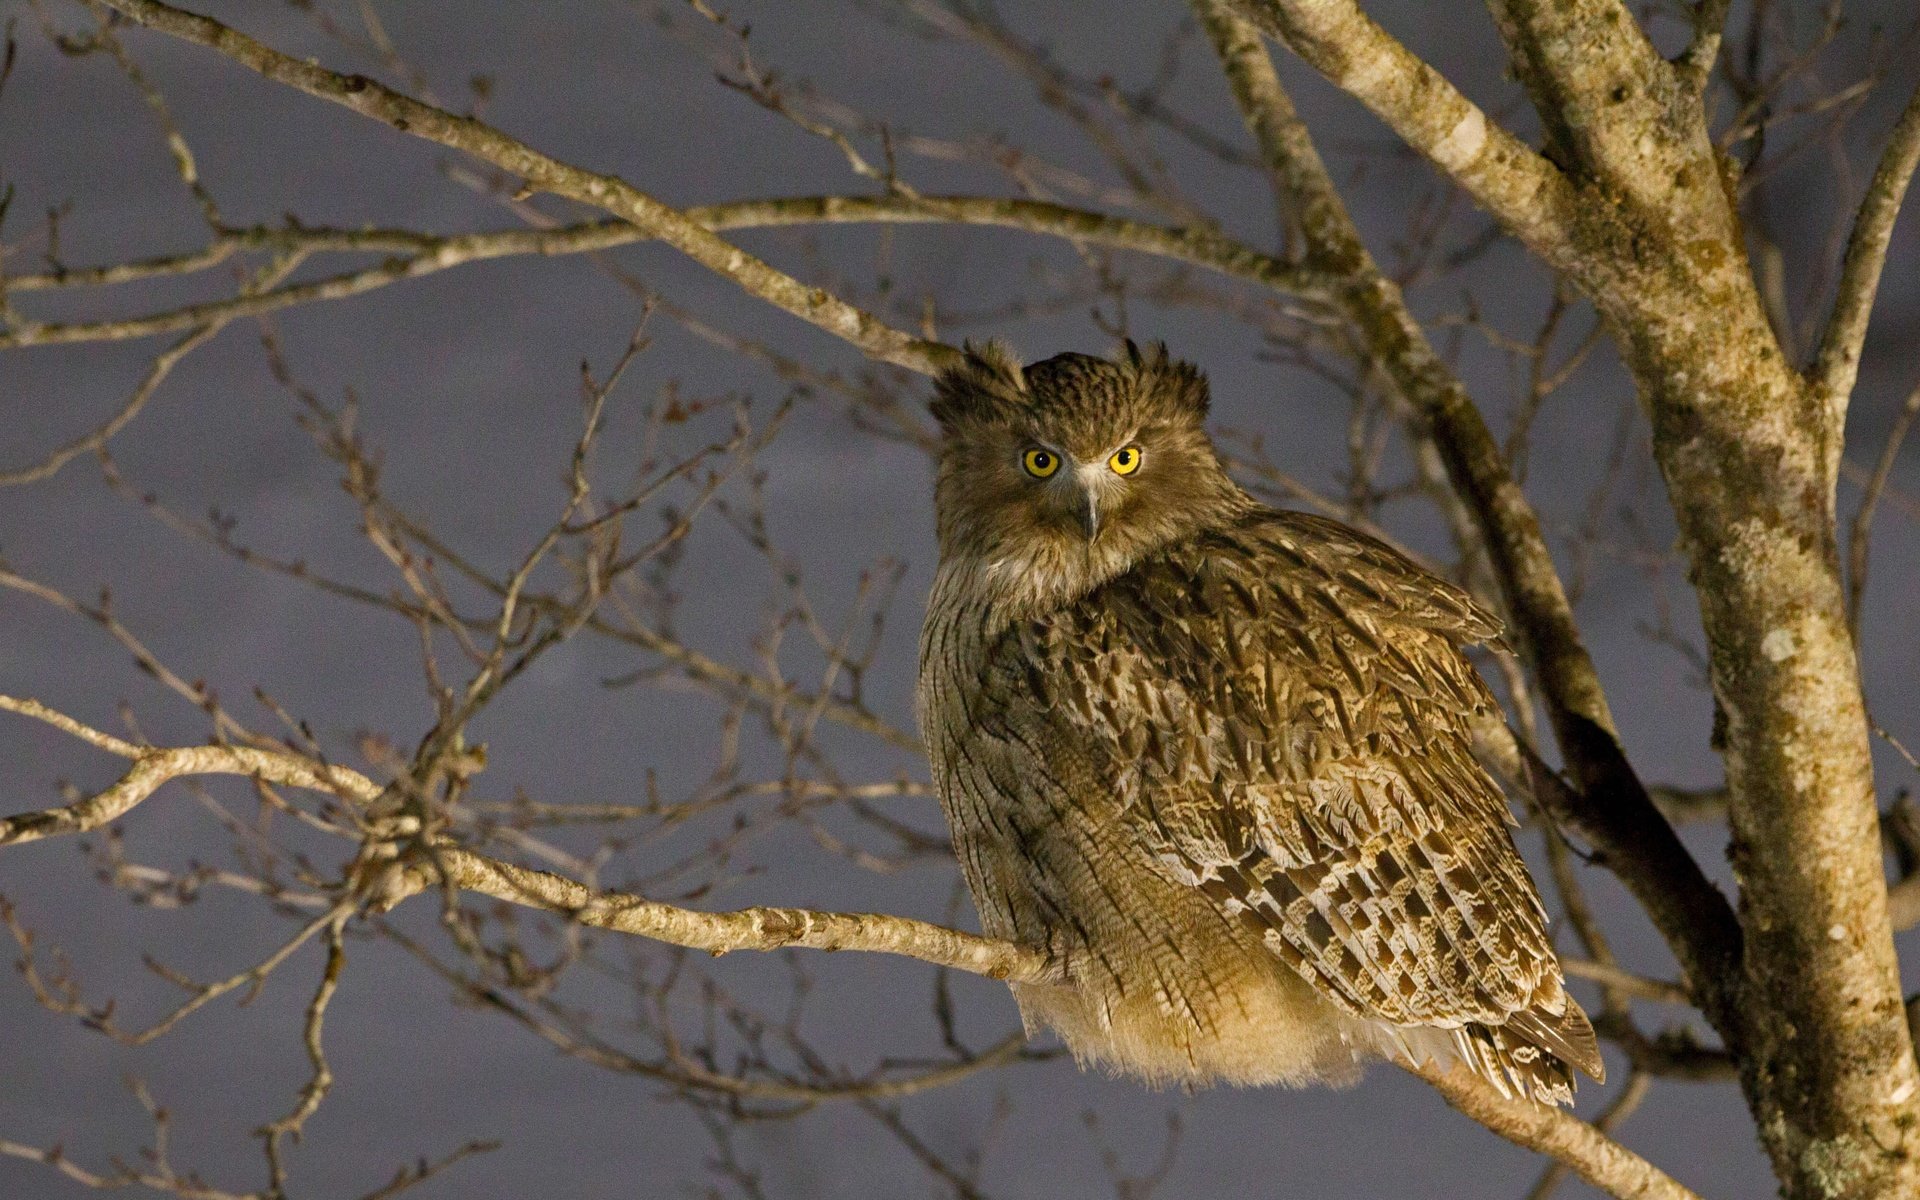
442	862
1591	1154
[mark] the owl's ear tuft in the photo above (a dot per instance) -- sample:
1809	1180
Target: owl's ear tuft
1176	385
986	379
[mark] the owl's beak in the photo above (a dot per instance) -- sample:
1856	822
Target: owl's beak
1087	508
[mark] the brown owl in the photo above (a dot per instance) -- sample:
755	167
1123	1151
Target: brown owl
1216	758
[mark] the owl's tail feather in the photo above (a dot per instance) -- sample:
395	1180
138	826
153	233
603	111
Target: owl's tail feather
1513	1064
1533	1054
1567	1035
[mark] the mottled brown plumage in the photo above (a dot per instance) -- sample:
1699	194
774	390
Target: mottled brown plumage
1216	758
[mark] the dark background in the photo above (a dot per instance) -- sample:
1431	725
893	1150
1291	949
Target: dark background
468	382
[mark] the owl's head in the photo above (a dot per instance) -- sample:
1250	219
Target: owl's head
1075	464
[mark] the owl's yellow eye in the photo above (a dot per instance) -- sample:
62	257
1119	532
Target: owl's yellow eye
1125	461
1040	463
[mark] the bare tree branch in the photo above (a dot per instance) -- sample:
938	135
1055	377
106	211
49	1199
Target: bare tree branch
426	254
547	174
1604	94
1837	363
758	928
449	864
1695	63
1617	1111
1618	977
1593	1156
163	365
1337	38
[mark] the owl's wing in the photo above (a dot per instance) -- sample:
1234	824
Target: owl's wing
1283	712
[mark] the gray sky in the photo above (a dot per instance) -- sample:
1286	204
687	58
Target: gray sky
468	382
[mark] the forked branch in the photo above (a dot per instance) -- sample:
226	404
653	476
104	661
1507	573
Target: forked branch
1503	174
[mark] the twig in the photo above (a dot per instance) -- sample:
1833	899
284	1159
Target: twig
163	364
1609	975
1858	535
320	1082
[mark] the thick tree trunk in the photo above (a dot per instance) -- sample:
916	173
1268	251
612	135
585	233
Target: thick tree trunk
1827	1062
1746	450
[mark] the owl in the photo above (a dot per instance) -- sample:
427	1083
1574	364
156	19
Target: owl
1216	759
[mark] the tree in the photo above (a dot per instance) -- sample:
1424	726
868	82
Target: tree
1646	181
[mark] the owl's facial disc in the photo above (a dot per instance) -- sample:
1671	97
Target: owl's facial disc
1067	470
